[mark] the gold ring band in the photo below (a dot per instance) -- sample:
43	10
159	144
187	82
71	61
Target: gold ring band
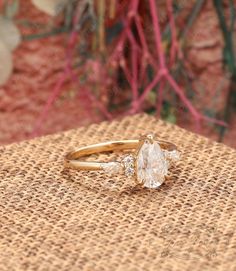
156	156
71	159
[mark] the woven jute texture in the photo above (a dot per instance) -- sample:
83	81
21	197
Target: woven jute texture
57	219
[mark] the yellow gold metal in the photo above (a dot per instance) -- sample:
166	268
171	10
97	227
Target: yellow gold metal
73	159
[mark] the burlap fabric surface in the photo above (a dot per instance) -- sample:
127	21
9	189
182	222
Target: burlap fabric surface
55	219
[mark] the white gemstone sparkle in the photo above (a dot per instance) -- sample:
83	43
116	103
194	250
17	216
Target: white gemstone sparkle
174	155
152	166
111	167
128	162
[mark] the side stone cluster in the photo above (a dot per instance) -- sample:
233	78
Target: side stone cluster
128	163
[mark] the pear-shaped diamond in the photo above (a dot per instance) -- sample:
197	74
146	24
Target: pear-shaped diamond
152	167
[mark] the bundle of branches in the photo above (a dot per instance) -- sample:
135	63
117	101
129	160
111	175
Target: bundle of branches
111	61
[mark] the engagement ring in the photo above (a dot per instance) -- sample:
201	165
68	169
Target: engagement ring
148	161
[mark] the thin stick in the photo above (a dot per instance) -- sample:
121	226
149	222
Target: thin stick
157	33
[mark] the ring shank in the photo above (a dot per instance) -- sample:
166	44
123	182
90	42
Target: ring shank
71	159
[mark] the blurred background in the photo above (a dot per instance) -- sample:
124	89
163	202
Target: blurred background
68	63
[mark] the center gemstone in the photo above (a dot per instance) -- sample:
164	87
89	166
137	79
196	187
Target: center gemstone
152	167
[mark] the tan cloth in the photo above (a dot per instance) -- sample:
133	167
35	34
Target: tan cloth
54	219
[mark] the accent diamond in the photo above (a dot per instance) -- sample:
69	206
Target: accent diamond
111	167
128	159
152	167
173	156
128	162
